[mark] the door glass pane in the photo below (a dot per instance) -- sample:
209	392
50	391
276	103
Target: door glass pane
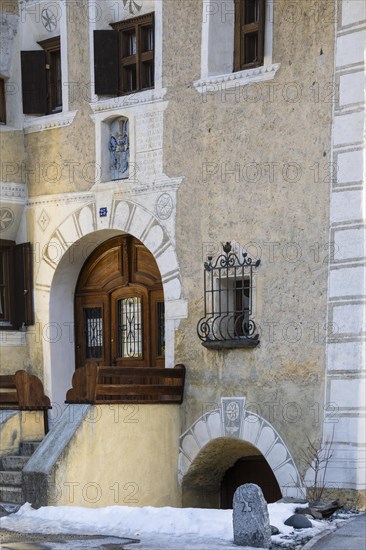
130	327
93	328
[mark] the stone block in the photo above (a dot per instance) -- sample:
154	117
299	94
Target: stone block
250	517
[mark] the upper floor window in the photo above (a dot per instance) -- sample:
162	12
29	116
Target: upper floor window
249	34
2	102
42	79
52	49
124	57
237	40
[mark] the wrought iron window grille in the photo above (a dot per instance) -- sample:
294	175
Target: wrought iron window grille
228	301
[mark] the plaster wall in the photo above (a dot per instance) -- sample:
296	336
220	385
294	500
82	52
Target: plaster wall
122	454
252	153
19	426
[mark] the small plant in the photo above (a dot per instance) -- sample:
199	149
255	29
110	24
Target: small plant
317	456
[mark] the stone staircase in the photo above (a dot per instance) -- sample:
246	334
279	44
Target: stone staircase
11	466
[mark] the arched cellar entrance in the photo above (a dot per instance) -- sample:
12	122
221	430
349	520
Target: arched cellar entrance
119	307
220	467
210	446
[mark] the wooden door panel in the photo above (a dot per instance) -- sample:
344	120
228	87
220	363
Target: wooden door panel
92	330
157	315
145	270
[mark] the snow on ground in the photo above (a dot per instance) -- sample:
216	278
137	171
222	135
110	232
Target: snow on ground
151	525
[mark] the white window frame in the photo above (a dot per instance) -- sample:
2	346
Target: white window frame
217	48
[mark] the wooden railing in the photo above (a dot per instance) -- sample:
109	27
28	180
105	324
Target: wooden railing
107	385
24	392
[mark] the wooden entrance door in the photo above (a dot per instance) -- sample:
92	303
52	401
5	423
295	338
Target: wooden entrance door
119	307
251	469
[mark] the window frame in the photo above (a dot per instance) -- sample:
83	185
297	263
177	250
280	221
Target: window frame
52	46
2	101
243	29
140	57
228	301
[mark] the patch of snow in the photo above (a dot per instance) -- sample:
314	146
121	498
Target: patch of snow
149	523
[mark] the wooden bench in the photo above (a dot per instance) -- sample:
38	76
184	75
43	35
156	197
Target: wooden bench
24	392
138	385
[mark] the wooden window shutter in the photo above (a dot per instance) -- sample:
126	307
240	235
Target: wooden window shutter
34	83
106	73
22	310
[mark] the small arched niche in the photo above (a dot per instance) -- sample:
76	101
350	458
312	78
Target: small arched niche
115	149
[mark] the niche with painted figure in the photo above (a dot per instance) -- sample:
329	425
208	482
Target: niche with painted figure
115	149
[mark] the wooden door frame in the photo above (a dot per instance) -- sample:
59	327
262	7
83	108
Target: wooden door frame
135	274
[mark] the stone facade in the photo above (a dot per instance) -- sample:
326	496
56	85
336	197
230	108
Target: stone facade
271	160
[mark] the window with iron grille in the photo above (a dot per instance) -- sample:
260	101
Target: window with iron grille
249	34
228	301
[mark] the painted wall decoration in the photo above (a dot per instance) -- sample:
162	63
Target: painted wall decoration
119	149
232	409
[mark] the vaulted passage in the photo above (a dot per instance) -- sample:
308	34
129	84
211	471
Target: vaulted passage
119	307
220	467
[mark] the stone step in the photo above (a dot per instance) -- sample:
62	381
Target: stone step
27	448
11	478
13	463
13	495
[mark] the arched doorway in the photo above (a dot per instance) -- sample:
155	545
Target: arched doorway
220	467
119	307
249	469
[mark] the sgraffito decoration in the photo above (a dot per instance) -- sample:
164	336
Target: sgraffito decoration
132	5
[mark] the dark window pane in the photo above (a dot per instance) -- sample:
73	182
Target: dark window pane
251	12
147	39
147	74
242	306
93	328
129	43
130	327
250	48
129	78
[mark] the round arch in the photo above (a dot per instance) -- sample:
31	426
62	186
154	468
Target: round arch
206	452
62	258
